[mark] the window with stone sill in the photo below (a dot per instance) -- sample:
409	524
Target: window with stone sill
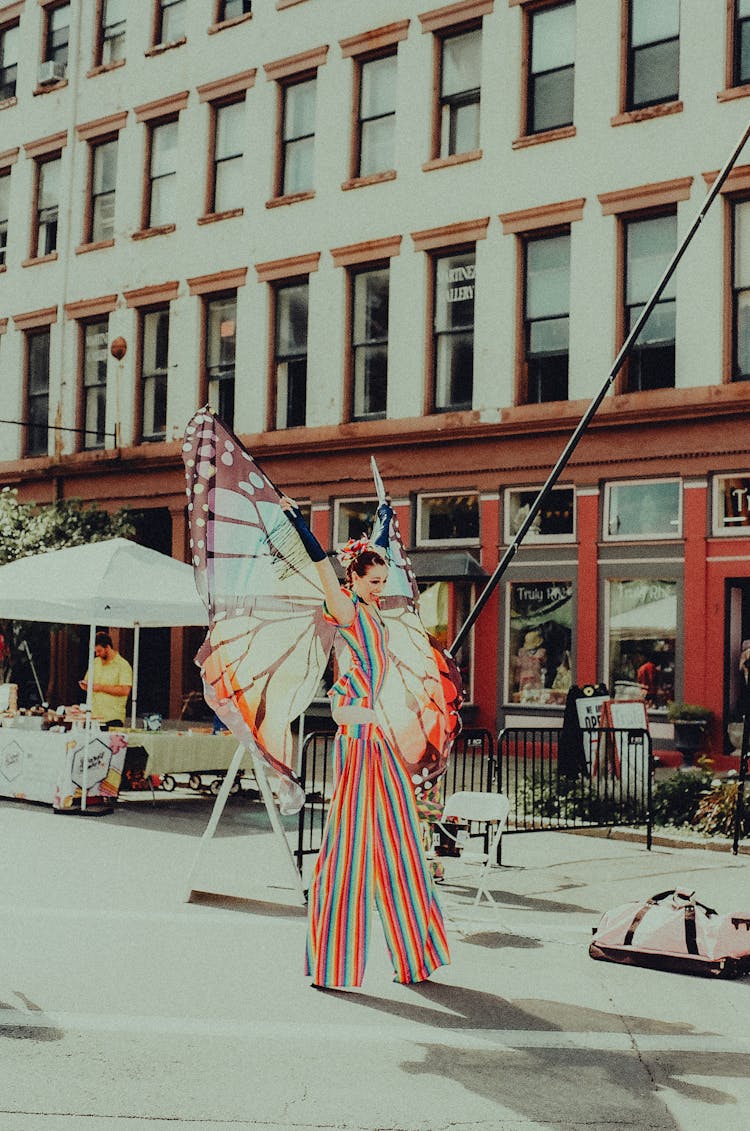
298	136
650	243
162	176
453	332
741	42
227	180
154	329
653	62
290	350
103	179
37	391
546	317
551	67
230	9
110	47
8	61
170	21
4	213
221	339
45	236
56	34
95	343
370	300
460	92
741	290
376	115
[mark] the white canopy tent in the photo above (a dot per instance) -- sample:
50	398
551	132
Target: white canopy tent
114	583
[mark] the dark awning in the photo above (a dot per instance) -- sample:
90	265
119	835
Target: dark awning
440	565
445	565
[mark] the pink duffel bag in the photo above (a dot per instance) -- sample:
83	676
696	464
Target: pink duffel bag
673	931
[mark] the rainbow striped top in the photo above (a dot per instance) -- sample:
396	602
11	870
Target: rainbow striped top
363	660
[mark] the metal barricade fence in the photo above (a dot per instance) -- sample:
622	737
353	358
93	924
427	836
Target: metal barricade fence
609	783
471	766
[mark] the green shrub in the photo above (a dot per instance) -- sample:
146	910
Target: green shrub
676	800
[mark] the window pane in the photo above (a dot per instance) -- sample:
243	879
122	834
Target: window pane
163	201
115	12
378	91
660	324
553	38
38	377
95	353
105	167
455	371
164	149
554	519
377	146
460	129
172	20
653	20
229	185
355	517
299	109
49	184
103	218
742	331
743	7
4	197
644	508
552	100
371	306
548	277
298	165
155	341
370	381
642	634
461	62
454	298
550	335
449	518
230	122
742	244
155	407
9	46
744	53
651	243
291	330
539	660
656	73
221	333
291	393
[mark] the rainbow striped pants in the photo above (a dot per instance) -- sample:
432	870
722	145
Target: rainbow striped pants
372	854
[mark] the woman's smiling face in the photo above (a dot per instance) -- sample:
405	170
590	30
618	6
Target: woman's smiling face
370	587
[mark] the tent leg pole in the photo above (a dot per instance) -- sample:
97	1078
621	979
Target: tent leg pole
218	809
275	819
134	692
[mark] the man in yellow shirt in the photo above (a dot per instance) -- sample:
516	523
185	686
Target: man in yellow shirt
113	681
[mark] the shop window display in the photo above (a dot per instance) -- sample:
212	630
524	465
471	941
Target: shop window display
642	627
540	667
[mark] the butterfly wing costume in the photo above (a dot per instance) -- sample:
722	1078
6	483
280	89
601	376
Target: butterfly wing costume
268	639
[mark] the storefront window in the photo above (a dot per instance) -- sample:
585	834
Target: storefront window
354	517
643	509
555	522
731	504
447	518
443	608
539	664
642	624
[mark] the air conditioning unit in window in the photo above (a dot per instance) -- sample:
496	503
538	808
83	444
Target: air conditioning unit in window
51	72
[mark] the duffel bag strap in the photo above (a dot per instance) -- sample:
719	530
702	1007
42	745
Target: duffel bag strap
652	902
691	937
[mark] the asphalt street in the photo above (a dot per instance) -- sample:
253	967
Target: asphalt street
126	1007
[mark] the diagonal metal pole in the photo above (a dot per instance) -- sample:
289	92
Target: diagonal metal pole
585	420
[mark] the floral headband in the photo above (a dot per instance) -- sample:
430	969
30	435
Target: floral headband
351	550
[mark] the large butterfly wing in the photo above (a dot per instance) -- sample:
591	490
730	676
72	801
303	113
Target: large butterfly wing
268	643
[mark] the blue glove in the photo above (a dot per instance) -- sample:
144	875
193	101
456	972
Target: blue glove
315	551
381	535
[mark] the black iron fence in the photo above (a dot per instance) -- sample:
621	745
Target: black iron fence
609	783
472	767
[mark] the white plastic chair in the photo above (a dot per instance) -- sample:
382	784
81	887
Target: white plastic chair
488	809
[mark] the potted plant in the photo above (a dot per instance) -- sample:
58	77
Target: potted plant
690	723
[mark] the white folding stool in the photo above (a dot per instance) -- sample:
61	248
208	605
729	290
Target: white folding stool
489	809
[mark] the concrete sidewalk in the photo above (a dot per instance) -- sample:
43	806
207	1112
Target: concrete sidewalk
125	1007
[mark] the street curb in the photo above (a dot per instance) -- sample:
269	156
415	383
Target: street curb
714	844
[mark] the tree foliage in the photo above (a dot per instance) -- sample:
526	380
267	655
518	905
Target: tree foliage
31	528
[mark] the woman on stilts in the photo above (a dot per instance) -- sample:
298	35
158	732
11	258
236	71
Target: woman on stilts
371	852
